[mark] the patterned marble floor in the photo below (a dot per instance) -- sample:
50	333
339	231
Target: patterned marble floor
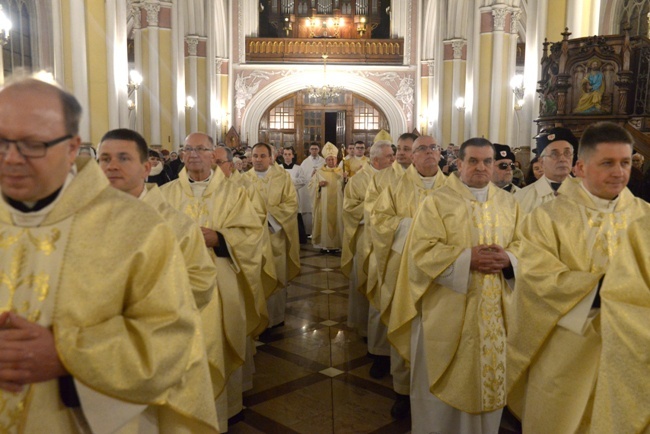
312	373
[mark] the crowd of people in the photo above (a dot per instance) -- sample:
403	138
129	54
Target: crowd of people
134	282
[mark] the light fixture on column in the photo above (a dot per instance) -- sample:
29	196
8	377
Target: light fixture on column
130	104
325	93
460	104
135	80
222	123
5	27
189	103
518	90
5	32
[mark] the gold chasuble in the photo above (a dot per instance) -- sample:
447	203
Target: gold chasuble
463	332
281	201
390	222
327	208
200	267
105	272
354	225
269	277
622	403
377	184
353	165
554	337
226	209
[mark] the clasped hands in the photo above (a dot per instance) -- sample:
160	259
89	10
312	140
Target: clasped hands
27	353
489	259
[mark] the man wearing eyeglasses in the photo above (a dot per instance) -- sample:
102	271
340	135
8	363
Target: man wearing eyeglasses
97	312
504	165
556	150
391	220
233	234
447	315
567	245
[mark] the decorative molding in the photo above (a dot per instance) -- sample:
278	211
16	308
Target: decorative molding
457	45
218	63
247	85
403	86
299	79
499	14
192	45
133	8
409	39
152	13
514	20
242	38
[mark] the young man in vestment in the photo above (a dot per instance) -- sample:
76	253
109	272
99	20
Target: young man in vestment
232	234
326	189
309	166
276	188
99	331
554	334
353	254
447	314
622	402
391	220
378	345
556	149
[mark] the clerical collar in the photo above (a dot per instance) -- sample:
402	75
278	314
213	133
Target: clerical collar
373	168
204	181
288	166
428	181
262	175
508	187
144	193
32	216
603	205
480	193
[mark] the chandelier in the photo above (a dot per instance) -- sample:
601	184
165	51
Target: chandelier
325	93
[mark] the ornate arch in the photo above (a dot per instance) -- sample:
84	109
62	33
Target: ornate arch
257	106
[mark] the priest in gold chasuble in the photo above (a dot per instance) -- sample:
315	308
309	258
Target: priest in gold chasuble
554	333
354	251
386	178
622	402
447	314
326	187
378	345
279	194
232	234
97	281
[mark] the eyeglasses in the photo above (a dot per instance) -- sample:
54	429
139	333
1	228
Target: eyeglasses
30	149
220	162
506	166
555	155
424	148
197	150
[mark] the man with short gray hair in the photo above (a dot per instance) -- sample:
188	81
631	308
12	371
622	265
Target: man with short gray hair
354	252
391	220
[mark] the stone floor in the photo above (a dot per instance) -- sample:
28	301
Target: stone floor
312	373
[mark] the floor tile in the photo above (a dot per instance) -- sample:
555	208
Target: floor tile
331	372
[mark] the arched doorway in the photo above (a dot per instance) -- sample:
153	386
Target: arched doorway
298	120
